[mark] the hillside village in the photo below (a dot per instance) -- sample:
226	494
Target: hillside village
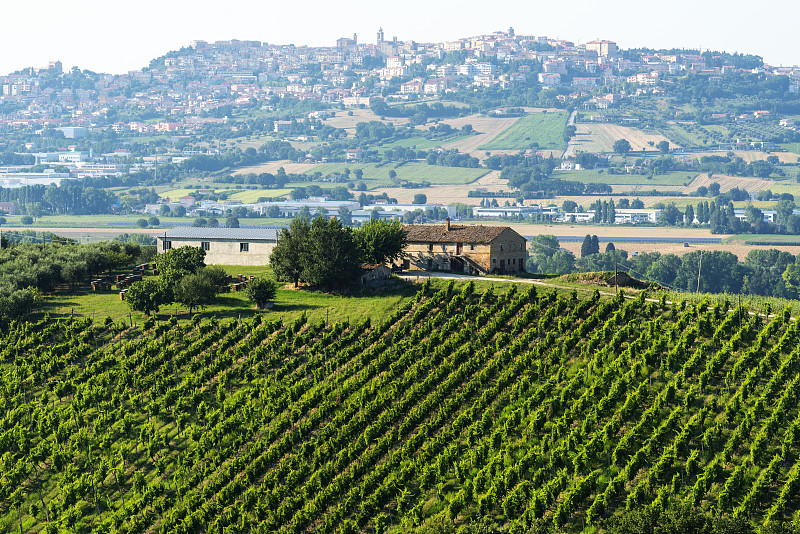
191	83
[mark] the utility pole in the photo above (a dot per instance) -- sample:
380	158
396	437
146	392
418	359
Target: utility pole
616	281
699	271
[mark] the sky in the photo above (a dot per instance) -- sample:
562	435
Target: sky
116	37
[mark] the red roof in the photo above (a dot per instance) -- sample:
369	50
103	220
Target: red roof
436	233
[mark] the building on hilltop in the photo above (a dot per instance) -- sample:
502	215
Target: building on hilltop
468	249
224	246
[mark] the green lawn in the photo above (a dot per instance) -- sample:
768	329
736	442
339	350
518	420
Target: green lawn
546	129
595	176
290	303
764	238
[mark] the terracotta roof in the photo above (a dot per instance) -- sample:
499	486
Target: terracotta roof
436	233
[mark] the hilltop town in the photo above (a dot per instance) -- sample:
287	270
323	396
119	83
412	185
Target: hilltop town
186	87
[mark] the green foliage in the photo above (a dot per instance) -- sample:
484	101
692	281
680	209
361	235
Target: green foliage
261	291
461	411
622	146
380	241
287	258
330	256
146	296
188	259
195	290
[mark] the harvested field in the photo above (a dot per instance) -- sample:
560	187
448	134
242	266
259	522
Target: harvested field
446	194
273	166
348	122
726	183
601	137
580	230
488	128
739	250
748	155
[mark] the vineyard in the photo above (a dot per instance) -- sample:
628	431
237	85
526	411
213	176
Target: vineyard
516	407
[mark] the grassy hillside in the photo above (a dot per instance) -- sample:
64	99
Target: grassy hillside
459	404
546	129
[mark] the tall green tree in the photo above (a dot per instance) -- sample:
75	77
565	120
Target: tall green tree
688	215
331	257
622	146
289	252
145	296
380	241
195	290
188	259
261	291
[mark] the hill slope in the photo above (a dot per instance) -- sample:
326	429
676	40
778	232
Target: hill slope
512	407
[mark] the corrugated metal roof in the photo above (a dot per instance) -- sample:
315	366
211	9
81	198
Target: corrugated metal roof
234	234
436	233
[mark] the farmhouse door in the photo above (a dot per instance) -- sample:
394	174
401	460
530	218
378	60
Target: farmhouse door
459	248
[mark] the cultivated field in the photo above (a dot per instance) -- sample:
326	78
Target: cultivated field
543	128
748	155
446	194
601	137
601	177
487	127
740	250
348	122
507	405
378	176
726	183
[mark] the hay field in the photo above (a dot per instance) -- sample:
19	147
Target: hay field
348	122
739	250
488	128
273	166
748	155
446	194
726	183
601	137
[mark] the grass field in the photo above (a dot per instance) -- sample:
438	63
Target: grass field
791	147
252	195
289	304
546	129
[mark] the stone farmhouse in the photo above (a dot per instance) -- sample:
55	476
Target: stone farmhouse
468	249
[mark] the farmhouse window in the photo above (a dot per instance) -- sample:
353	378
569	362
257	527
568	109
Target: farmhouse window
167	245
472	247
430	247
501	248
244	247
205	245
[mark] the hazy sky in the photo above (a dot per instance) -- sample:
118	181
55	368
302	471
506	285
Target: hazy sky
116	37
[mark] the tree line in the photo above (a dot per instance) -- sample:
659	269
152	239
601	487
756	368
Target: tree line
769	273
325	253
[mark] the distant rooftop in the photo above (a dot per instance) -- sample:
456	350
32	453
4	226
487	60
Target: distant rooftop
247	234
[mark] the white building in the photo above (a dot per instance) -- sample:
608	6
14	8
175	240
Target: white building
224	246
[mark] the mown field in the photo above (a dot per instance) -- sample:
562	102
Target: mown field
600	177
378	176
458	404
545	129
